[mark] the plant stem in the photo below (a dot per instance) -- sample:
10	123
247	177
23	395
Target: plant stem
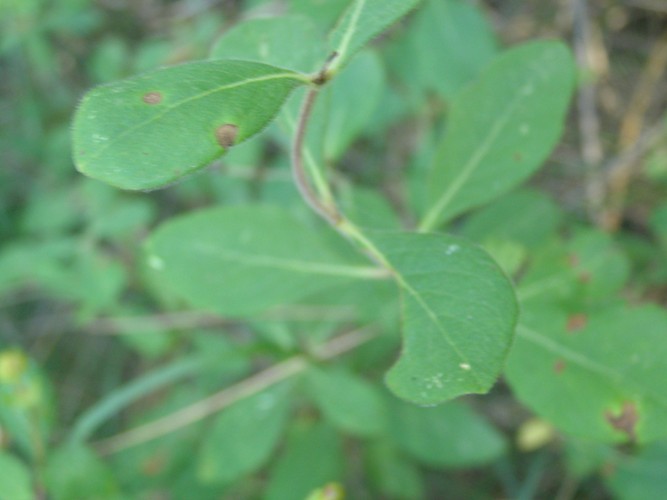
230	395
322	201
328	211
589	122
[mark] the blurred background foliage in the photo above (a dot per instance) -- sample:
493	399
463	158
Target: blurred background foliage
90	347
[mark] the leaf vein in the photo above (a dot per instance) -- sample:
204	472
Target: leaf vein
169	109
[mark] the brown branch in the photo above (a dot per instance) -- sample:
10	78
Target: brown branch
633	143
230	395
329	213
589	124
188	320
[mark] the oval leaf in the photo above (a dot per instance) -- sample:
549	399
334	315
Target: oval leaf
459	313
348	111
600	376
15	480
465	41
363	20
501	128
312	456
291	42
243	260
640	475
244	435
349	402
451	435
150	130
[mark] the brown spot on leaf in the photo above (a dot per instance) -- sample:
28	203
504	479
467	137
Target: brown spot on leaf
153	466
518	156
573	260
608	469
576	322
559	366
226	135
626	421
152	98
584	277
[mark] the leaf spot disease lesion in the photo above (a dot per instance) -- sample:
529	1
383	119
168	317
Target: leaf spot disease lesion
559	366
226	135
152	98
625	421
576	322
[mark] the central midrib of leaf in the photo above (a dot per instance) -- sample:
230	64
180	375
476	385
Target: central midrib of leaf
431	218
583	362
169	109
434	319
354	20
299	266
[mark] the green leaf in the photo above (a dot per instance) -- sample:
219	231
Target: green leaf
451	435
584	457
501	128
349	111
395	475
588	270
244	436
291	42
325	14
120	398
26	403
347	401
465	42
312	458
74	472
639	477
459	313
523	216
15	481
152	129
368	208
587	378
245	259
658	223
363	20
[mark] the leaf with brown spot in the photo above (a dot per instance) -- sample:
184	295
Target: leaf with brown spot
576	322
115	124
152	98
584	277
226	135
559	366
626	420
619	358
